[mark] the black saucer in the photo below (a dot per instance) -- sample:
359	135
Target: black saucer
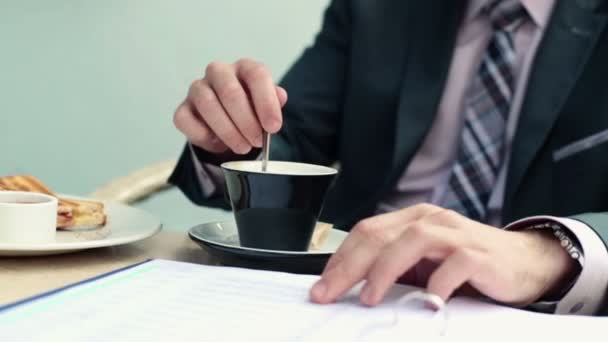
220	240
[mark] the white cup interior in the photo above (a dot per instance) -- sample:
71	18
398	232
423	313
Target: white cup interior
280	168
17	198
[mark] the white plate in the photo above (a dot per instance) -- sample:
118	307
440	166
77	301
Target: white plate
125	225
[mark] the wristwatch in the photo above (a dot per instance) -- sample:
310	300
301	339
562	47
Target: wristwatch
567	239
549	302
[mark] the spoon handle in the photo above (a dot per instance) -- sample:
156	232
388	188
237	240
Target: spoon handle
265	151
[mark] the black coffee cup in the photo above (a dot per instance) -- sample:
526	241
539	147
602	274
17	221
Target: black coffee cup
277	209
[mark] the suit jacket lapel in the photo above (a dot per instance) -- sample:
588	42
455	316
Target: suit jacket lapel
569	41
432	28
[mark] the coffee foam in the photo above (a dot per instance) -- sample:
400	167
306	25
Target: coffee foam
280	168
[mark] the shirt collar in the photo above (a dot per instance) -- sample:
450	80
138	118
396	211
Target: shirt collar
539	10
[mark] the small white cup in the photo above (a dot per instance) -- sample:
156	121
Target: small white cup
27	218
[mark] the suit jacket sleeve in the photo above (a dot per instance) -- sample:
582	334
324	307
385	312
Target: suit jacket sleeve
312	115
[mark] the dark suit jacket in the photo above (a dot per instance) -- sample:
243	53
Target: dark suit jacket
366	93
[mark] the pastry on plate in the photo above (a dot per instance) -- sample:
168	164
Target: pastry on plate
72	214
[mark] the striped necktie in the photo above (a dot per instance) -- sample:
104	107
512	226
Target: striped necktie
487	105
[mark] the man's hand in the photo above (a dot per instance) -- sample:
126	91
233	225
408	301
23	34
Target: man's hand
231	107
515	268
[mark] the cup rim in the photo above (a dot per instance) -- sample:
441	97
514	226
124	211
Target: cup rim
42	199
321	170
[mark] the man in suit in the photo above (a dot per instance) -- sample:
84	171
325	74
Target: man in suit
493	113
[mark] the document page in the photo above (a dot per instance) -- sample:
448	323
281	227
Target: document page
164	300
173	301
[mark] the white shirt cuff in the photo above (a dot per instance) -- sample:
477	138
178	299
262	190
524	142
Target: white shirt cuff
587	294
209	176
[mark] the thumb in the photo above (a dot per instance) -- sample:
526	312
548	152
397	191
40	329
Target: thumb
282	95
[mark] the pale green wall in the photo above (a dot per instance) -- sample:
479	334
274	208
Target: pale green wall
88	88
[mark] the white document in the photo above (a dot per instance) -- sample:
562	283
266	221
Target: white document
172	301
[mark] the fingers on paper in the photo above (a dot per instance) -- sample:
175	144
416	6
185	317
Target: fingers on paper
416	243
379	230
346	273
455	271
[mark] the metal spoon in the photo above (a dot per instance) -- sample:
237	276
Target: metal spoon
265	151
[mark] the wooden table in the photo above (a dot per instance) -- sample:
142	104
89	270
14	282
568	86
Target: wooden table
26	276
